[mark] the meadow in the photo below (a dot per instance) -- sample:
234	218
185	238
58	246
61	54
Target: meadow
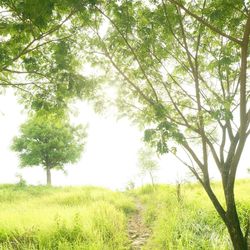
86	218
190	223
93	218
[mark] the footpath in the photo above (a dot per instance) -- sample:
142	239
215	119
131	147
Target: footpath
137	230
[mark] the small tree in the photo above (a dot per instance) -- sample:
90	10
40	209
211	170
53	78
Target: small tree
49	141
130	185
21	181
147	164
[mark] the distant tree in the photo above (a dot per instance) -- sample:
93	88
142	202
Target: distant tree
130	185
49	141
147	163
21	181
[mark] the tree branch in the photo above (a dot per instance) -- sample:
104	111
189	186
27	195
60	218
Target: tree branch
205	23
132	51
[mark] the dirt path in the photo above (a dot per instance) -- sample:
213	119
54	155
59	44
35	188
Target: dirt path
137	230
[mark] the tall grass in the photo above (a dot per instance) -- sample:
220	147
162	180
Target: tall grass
91	218
193	223
63	218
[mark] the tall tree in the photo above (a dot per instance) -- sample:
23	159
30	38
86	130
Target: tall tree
49	141
183	67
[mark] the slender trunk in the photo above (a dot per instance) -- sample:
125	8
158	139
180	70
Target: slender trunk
230	218
233	223
178	191
152	179
48	176
238	240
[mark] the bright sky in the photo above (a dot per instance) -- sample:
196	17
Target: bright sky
109	158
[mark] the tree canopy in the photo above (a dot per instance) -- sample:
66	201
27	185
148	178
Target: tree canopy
38	50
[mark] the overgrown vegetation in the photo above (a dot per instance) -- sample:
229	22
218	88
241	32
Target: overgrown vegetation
63	218
93	218
192	223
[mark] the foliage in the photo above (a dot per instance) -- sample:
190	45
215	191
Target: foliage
38	51
130	185
147	163
49	141
21	180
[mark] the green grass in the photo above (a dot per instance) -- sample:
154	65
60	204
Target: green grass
92	218
63	218
191	224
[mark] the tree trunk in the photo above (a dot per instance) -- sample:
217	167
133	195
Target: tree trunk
48	176
237	238
230	217
152	179
178	192
233	225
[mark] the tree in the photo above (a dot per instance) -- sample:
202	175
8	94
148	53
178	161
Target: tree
183	69
38	44
29	27
147	164
49	141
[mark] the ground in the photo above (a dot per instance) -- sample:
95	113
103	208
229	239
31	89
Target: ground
138	231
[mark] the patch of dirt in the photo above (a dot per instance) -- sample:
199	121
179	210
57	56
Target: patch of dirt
137	230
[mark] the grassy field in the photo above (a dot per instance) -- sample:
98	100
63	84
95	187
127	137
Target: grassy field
92	218
63	218
191	224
